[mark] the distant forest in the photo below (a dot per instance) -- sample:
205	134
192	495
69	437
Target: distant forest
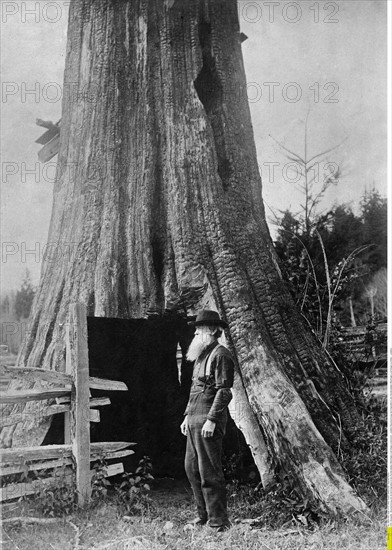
336	263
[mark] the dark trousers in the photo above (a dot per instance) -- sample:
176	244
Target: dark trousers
203	466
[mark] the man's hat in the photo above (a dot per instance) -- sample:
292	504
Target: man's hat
208	317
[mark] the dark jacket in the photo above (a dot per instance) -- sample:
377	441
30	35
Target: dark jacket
211	395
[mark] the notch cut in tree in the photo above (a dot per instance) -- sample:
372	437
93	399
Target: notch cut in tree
163	213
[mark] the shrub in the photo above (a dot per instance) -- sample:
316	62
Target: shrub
133	492
99	483
58	499
366	462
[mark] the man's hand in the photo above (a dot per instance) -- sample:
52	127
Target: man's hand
184	426
208	428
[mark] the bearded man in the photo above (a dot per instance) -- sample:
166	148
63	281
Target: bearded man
206	418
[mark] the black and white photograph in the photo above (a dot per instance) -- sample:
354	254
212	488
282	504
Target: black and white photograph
195	205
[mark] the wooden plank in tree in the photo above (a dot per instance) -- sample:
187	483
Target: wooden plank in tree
49	150
80	400
47	123
15	454
48	135
32	395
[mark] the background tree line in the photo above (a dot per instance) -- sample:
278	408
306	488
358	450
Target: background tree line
336	264
15	309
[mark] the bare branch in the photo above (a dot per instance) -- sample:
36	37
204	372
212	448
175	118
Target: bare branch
328	279
328	150
346	261
287	150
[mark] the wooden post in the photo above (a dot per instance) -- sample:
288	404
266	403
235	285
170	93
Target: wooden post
80	402
68	370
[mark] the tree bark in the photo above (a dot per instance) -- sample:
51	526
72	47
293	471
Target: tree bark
157	208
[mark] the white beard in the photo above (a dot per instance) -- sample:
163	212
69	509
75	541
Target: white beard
197	346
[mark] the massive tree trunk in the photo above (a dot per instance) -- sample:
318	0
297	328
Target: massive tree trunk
157	208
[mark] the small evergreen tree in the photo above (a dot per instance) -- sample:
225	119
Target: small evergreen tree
24	297
5	305
374	215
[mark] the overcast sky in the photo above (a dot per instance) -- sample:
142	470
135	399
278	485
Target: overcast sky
326	60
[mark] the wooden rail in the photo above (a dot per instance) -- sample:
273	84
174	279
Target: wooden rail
72	396
39	375
364	344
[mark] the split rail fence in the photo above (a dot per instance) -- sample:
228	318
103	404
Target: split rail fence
73	399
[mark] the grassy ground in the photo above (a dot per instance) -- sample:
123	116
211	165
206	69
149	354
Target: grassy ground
161	527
